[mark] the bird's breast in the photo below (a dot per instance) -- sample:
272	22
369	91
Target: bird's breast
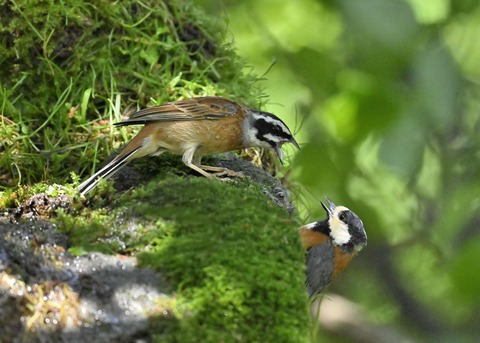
342	260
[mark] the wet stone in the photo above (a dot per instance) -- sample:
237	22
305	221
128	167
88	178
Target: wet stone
48	295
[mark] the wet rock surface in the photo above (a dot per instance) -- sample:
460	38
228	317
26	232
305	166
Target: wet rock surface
48	295
41	205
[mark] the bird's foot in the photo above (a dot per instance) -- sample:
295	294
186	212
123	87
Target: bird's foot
223	174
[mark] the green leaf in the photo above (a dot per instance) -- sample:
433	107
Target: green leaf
464	272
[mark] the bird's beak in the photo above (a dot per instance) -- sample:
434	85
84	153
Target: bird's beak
294	142
331	209
279	151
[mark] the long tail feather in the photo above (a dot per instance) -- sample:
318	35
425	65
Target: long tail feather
110	169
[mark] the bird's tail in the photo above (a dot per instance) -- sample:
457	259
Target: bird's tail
110	169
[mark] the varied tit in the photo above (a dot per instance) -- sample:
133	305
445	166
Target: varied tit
331	245
196	127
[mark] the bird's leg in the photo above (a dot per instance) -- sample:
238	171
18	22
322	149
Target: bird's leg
219	171
200	170
194	162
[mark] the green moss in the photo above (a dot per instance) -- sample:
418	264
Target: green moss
235	257
232	257
12	198
67	72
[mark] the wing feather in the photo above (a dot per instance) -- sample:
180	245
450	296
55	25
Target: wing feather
203	108
319	268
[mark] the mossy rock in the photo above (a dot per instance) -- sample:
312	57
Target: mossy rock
228	265
230	252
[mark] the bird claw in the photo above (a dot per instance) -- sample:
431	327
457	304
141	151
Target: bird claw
228	175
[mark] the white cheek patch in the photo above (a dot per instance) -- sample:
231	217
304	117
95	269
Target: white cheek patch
338	229
252	141
250	135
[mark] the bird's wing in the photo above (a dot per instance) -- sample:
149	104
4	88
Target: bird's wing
320	265
319	258
189	109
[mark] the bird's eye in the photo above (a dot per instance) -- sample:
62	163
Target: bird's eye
342	217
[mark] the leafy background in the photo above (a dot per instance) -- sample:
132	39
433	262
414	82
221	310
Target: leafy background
385	98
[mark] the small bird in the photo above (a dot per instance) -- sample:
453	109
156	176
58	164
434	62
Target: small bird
331	245
196	127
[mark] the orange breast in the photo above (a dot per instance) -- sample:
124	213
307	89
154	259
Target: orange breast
342	260
310	238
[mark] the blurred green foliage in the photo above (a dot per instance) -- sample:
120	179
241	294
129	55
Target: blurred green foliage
385	97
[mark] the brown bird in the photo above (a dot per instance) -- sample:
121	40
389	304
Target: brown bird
331	245
196	127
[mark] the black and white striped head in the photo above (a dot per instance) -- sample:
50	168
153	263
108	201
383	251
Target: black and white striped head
266	130
345	228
